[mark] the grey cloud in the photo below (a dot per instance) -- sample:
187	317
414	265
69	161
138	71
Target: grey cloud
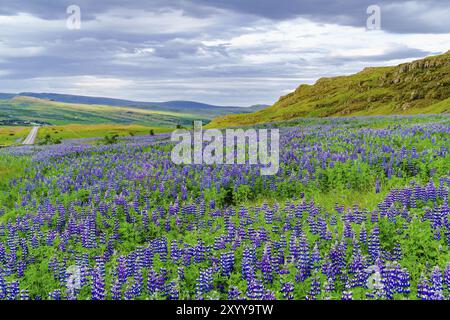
181	64
346	12
395	53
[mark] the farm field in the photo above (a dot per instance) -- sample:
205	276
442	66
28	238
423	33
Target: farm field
10	134
358	210
77	131
14	135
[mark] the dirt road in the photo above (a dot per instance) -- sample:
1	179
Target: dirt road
31	136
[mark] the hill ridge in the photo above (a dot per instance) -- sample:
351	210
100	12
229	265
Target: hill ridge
420	86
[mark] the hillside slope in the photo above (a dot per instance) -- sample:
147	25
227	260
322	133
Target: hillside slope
58	109
191	107
58	113
421	86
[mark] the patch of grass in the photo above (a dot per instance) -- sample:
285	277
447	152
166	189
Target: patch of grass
11	167
76	131
12	135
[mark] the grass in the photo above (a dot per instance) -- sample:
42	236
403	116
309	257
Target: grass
11	167
15	135
76	131
12	135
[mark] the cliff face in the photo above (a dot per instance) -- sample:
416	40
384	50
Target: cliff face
421	86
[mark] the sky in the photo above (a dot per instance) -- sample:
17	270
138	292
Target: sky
223	52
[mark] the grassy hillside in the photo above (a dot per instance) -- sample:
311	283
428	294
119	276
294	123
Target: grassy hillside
419	87
48	111
58	113
58	109
173	106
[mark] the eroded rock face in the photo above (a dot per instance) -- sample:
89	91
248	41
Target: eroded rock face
423	64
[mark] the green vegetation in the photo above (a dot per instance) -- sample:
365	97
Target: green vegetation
111	139
77	131
419	87
58	113
355	200
10	168
12	135
48	139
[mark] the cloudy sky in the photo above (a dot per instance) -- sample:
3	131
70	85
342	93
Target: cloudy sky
226	52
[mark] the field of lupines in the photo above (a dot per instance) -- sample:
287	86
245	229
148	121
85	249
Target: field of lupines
358	210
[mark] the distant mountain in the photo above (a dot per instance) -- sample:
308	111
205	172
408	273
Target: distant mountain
166	106
4	96
421	86
53	108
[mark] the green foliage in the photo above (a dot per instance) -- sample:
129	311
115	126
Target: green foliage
48	139
243	194
111	139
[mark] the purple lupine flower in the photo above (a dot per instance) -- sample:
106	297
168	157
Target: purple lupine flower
446	279
247	265
288	290
73	283
227	263
348	232
138	280
234	293
24	294
269	295
404	282
397	254
347	295
161	281
315	288
3	285
315	258
98	282
152	279
374	243
303	261
121	270
204	283
436	284
266	266
363	235
423	288
55	295
337	257
12	290
255	290
130	291
173	291
116	290
329	285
